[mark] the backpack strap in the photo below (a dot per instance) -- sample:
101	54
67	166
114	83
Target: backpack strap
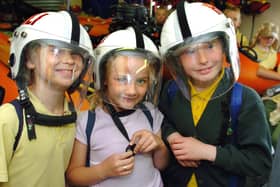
2	94
91	121
89	128
235	105
19	112
171	91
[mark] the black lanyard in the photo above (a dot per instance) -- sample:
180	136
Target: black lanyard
120	126
117	120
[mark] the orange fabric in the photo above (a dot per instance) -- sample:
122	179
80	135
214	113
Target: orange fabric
7	83
4	48
248	69
98	26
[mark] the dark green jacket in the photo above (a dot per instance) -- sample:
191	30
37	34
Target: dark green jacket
251	157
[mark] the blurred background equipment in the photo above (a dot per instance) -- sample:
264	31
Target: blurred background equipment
124	15
13	12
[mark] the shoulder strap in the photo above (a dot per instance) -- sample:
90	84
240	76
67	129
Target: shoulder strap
19	112
148	114
2	94
241	40
89	128
91	121
235	105
171	91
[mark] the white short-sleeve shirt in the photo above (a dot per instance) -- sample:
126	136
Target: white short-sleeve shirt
106	139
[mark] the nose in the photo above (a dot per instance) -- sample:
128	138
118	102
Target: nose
201	56
131	88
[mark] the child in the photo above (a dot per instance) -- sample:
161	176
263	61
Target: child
234	14
205	148
128	73
266	43
49	56
161	14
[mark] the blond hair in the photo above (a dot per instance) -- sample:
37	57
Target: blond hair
231	8
267	29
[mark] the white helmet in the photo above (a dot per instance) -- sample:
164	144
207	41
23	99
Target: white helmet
62	34
194	23
128	42
56	28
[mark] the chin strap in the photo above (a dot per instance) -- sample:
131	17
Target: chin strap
32	117
182	19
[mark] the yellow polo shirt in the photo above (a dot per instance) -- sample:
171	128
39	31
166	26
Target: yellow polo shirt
268	59
199	101
37	163
239	37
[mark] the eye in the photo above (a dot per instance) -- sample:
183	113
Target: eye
53	49
210	45
141	81
190	50
77	57
122	79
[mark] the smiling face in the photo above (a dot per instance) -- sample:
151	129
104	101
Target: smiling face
202	62
54	67
127	80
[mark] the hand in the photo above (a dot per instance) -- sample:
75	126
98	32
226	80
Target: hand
118	164
189	163
191	149
145	141
172	137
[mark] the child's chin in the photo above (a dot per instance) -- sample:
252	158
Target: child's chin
128	107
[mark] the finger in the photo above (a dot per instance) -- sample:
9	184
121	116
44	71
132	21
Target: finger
126	155
135	137
125	172
140	142
179	152
127	161
193	164
181	163
146	145
127	168
189	164
147	148
176	146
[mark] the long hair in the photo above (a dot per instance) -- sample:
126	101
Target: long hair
267	29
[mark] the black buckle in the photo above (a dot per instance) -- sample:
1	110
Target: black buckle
130	148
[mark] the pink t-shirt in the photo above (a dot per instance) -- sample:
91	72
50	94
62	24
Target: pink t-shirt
106	139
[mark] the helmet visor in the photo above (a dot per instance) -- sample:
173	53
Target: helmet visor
131	77
203	60
56	65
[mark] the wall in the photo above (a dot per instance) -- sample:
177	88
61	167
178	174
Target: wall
272	14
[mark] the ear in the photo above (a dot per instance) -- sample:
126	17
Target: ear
30	64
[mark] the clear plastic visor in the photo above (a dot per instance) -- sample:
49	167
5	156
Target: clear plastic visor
59	66
131	78
201	62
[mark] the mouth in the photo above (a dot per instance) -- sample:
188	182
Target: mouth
68	73
204	71
126	100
